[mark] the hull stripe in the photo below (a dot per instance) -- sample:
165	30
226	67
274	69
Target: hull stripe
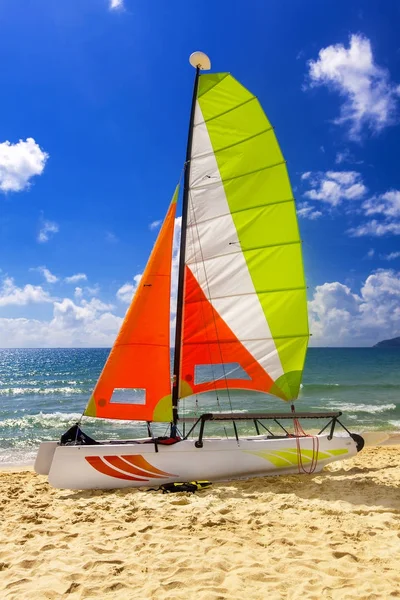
125	467
139	461
131	468
97	463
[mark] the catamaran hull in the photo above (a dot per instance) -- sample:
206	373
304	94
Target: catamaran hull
116	465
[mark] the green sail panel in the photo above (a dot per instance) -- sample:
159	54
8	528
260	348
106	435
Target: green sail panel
243	245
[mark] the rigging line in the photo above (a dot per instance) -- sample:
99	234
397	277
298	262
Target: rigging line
230	373
191	208
213	310
192	233
202	309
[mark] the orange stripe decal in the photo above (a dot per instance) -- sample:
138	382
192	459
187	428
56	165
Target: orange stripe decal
123	465
142	463
129	465
97	463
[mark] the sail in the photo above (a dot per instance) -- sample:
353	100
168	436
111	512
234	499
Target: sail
245	312
135	383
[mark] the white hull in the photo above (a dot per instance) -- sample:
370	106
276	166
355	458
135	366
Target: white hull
119	465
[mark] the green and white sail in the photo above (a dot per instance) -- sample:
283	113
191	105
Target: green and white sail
245	293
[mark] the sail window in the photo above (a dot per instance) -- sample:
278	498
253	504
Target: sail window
128	396
218	372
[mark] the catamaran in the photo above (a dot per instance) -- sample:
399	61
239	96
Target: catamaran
241	321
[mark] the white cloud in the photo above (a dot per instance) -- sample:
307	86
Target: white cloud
71	326
19	163
347	157
375	228
341	157
127	291
48	228
97	305
76	278
75	323
345	178
306	211
93	291
333	187
370	99
88	323
387	204
340	317
10	294
391	256
86	331
154	225
387	207
47	274
116	4
371	253
111	237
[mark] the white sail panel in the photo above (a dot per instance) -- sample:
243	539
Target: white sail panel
215	258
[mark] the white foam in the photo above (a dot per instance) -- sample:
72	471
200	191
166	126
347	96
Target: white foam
57	419
368	408
20	391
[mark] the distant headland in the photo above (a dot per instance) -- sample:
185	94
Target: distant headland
393	343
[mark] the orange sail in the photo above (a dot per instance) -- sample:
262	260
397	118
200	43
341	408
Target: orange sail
135	383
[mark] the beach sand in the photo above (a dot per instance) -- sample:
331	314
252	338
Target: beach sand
331	535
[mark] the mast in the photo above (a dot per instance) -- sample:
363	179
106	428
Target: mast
199	61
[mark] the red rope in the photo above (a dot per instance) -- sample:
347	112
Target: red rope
299	432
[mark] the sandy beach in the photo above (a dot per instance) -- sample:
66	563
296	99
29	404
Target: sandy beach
331	535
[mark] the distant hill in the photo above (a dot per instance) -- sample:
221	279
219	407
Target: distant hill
393	343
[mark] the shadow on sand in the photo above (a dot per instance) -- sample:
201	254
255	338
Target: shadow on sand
356	485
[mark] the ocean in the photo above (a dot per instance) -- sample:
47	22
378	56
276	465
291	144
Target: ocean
44	391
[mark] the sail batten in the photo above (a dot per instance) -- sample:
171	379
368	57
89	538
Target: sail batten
250	137
282	162
205	89
245	293
227	111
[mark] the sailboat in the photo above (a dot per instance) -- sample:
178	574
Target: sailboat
241	321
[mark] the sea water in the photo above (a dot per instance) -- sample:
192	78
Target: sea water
44	391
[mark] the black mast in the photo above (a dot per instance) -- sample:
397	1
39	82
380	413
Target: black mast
181	272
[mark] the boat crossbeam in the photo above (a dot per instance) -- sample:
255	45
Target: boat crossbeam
257	419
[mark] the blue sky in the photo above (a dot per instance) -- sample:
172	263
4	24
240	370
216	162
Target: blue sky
93	124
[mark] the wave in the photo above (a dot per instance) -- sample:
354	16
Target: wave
22	391
367	408
17	457
57	419
350	386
